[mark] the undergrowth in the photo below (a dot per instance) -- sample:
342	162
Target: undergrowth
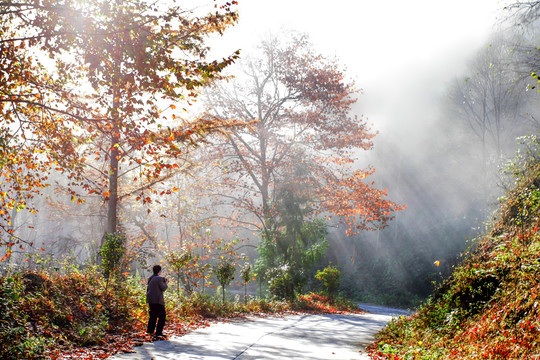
318	302
82	315
207	306
490	307
43	314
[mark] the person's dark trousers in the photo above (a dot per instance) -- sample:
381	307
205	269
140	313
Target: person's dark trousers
157	312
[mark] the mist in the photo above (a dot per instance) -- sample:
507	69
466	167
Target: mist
405	58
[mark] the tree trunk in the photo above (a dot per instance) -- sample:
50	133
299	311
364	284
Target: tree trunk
178	283
112	206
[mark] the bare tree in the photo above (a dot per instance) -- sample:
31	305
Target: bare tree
524	13
491	98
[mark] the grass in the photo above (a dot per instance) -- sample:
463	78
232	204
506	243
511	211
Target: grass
489	308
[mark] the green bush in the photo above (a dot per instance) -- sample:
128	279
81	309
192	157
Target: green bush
225	274
13	320
111	253
331	277
280	283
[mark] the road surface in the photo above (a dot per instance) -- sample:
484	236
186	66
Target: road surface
312	337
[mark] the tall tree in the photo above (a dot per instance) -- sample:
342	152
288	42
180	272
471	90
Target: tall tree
490	97
299	103
493	104
289	253
122	69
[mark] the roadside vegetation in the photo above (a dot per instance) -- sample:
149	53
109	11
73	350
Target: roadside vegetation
489	308
78	313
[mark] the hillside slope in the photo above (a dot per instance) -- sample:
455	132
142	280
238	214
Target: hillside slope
489	308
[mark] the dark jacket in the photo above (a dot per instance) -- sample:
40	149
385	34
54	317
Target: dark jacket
154	292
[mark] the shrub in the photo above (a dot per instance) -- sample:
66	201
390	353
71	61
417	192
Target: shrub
111	253
330	276
280	283
324	303
38	312
225	274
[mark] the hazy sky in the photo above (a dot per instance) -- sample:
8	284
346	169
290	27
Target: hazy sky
400	52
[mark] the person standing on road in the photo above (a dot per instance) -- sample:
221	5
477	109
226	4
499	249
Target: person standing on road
156	303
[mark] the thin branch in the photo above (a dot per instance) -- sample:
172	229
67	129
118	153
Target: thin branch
46	107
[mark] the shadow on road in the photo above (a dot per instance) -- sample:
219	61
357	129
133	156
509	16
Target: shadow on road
314	337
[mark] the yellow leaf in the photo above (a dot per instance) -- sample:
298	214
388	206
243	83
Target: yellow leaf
107	193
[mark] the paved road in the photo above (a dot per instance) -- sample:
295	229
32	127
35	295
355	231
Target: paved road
381	310
313	337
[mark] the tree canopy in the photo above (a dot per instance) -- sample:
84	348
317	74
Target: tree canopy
300	105
95	89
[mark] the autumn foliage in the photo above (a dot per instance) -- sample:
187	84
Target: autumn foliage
303	133
325	304
47	314
95	90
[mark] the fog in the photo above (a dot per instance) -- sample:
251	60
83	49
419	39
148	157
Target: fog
405	58
402	55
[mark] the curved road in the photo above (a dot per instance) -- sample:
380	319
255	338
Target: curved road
321	337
